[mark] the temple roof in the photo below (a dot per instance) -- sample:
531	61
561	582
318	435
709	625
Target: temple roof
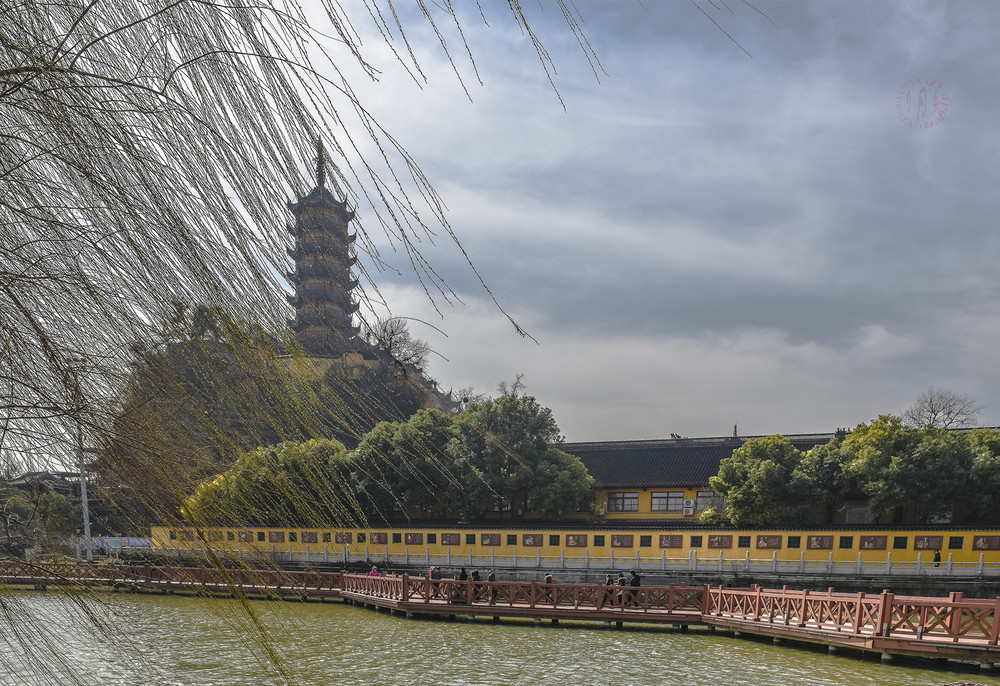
666	463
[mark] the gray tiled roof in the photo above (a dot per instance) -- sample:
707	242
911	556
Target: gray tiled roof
665	463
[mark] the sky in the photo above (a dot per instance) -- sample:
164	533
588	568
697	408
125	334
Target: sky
789	235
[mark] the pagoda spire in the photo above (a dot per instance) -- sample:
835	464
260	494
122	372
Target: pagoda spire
320	164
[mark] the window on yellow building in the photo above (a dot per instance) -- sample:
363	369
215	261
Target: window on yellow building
623	502
667	501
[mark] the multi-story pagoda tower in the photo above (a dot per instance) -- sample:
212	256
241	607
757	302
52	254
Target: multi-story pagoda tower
322	277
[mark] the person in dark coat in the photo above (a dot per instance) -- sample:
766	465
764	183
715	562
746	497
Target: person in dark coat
634	582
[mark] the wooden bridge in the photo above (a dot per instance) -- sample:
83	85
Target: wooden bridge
945	628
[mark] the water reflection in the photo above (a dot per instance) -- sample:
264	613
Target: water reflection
168	640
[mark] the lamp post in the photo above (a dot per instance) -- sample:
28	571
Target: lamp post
78	401
83	491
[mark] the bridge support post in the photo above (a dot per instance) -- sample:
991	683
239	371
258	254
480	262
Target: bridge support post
986	666
831	649
607	624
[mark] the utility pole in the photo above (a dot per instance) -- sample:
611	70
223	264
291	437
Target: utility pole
83	491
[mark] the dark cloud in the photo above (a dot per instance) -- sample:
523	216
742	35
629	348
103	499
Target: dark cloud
772	212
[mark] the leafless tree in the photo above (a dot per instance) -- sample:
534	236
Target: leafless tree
392	336
942	409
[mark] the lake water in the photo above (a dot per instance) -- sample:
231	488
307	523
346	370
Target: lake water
176	640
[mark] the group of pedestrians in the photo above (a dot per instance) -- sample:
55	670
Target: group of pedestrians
628	597
435	574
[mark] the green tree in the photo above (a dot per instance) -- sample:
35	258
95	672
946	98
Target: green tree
559	484
291	484
868	454
984	488
821	473
759	485
934	477
506	439
406	465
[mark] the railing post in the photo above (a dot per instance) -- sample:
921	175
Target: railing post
663	561
829	564
746	565
406	554
802	561
706	599
470	557
721	560
979	567
449	557
405	588
515	558
538	557
955	618
803	607
774	561
586	558
493	552
920	562
694	560
884	613
860	564
995	623
427	556
611	560
562	558
950	564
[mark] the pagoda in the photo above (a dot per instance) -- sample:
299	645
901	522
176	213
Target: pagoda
323	256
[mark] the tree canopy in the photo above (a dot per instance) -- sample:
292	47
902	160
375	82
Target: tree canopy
929	472
489	458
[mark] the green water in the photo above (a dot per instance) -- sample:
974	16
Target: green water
167	640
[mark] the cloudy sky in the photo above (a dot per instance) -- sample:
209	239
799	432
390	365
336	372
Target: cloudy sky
789	241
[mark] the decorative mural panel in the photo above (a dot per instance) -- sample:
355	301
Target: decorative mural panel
576	540
874	542
819	542
769	542
671	541
986	543
622	541
213	535
309	537
379	538
244	536
187	535
490	540
720	541
342	537
928	542
451	539
413	538
532	539
275	536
